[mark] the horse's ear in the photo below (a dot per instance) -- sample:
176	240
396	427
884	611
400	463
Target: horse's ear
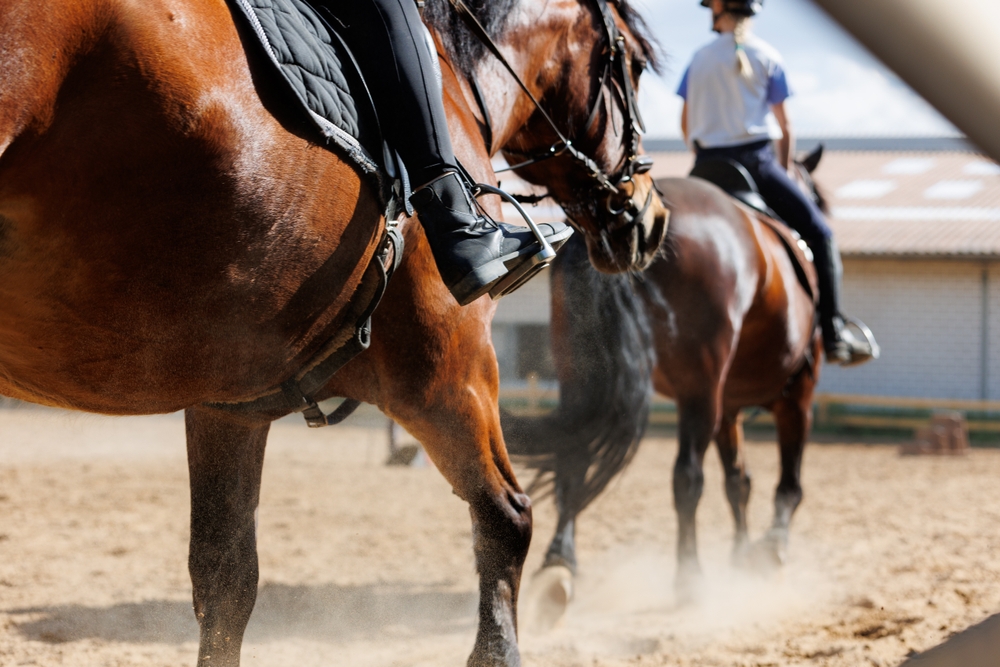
811	161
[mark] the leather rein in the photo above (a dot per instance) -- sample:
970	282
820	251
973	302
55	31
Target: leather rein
615	72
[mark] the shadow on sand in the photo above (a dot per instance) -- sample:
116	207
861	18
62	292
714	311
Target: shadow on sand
978	646
323	613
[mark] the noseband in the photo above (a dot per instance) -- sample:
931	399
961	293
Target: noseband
616	73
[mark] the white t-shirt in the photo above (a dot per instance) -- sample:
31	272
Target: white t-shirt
724	107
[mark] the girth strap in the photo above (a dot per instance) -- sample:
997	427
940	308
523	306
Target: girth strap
297	393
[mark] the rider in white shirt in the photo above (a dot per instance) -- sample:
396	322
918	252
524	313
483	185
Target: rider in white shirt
734	107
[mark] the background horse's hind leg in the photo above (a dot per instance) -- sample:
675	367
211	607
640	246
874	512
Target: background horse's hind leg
730	443
551	588
225	458
698	419
793	418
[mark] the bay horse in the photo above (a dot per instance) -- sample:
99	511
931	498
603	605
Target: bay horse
718	322
170	239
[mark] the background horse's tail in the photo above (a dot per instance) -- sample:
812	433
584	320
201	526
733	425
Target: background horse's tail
602	345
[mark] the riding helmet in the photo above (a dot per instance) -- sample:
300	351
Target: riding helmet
742	7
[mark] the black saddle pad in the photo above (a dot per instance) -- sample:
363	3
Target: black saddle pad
317	67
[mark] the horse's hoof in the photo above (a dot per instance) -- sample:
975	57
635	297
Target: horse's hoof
548	596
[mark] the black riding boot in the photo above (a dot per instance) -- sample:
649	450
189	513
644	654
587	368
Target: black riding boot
839	344
472	252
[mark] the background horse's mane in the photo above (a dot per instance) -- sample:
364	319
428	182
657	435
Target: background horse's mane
466	50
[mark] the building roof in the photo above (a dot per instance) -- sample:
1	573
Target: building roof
942	204
889	198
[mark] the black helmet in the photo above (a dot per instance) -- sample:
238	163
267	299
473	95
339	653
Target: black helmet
742	7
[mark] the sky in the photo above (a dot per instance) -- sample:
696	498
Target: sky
839	89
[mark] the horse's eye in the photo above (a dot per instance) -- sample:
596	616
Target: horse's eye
639	65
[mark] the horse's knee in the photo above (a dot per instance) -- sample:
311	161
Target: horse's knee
502	522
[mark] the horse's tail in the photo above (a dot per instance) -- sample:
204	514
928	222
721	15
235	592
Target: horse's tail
603	351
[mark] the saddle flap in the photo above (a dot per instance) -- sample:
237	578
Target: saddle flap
317	68
799	253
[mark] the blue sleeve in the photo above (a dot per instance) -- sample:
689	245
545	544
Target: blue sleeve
682	90
777	86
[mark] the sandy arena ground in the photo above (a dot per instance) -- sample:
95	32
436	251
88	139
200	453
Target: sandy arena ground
364	565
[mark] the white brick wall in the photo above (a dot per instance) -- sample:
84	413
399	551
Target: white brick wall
927	316
528	305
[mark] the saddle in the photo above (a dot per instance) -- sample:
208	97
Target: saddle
307	57
737	182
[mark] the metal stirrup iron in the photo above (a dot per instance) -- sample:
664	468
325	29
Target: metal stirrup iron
536	263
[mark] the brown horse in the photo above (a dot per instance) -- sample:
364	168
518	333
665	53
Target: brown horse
170	239
718	322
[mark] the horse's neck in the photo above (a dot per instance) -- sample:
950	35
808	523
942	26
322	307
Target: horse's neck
528	46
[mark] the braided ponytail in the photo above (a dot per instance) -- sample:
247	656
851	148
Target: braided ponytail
740	34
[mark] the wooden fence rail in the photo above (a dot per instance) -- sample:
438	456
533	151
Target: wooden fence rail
830	410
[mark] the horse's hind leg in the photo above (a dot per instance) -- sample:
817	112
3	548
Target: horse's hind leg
225	458
730	443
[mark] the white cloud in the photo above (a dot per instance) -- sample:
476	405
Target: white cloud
836	95
840	89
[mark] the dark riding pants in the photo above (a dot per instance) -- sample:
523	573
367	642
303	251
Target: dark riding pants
776	187
389	43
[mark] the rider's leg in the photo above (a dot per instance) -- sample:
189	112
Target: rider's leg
802	215
471	252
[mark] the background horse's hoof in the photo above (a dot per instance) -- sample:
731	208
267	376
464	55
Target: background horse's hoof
689	585
767	554
403	455
547	597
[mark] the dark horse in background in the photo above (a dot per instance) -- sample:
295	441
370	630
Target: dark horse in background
719	322
171	239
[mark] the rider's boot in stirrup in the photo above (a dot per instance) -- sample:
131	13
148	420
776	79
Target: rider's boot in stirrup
840	345
473	252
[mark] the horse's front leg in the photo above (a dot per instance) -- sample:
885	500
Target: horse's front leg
460	432
225	458
432	368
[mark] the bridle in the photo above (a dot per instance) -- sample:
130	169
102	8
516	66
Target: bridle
616	77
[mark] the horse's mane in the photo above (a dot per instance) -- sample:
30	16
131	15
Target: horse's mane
640	31
466	50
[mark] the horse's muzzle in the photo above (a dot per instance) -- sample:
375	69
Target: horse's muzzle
637	227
